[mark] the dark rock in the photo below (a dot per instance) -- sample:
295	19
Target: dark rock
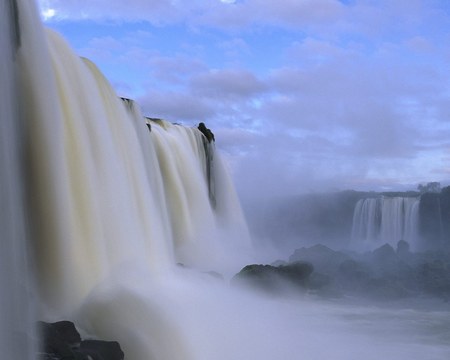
68	332
434	278
207	132
54	344
353	273
102	350
275	278
325	260
385	262
262	277
61	341
384	253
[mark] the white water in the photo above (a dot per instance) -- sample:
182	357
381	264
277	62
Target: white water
115	207
385	220
127	196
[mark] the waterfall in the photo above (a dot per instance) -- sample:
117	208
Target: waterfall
113	201
128	195
377	221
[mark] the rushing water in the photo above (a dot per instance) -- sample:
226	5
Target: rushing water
113	207
384	220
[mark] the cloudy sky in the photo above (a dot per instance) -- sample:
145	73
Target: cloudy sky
302	95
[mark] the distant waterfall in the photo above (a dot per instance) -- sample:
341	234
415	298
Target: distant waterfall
385	220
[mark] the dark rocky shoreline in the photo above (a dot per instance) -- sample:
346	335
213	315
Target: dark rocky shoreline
384	274
61	341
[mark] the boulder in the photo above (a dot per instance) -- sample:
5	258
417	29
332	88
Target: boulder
434	278
102	350
54	344
276	278
61	341
325	260
68	332
207	132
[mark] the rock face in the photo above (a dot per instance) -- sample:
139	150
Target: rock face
276	278
207	132
384	274
325	260
61	341
101	350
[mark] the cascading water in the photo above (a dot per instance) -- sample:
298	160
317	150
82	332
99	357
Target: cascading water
383	220
111	203
113	207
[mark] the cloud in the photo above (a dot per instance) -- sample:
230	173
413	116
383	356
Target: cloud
319	92
156	11
235	47
216	13
175	106
227	84
175	69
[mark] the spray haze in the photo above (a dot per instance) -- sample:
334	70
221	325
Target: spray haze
136	229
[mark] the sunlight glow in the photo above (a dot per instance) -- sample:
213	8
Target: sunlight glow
48	14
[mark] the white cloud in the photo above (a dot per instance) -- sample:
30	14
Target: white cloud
175	106
357	93
48	13
227	83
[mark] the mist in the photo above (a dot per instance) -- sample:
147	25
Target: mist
137	228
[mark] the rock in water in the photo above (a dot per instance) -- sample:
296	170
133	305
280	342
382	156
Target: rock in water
275	278
61	341
102	350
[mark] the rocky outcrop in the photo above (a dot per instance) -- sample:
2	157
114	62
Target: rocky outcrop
207	132
384	274
275	278
325	259
61	341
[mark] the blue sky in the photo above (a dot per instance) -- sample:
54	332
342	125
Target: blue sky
303	95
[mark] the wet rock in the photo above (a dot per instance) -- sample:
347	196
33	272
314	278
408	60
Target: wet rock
207	132
276	279
434	278
324	259
54	344
67	332
353	274
101	350
61	341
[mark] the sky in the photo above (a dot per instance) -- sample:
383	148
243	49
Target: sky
302	95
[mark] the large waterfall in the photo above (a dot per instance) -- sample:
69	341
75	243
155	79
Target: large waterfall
377	221
124	225
114	200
